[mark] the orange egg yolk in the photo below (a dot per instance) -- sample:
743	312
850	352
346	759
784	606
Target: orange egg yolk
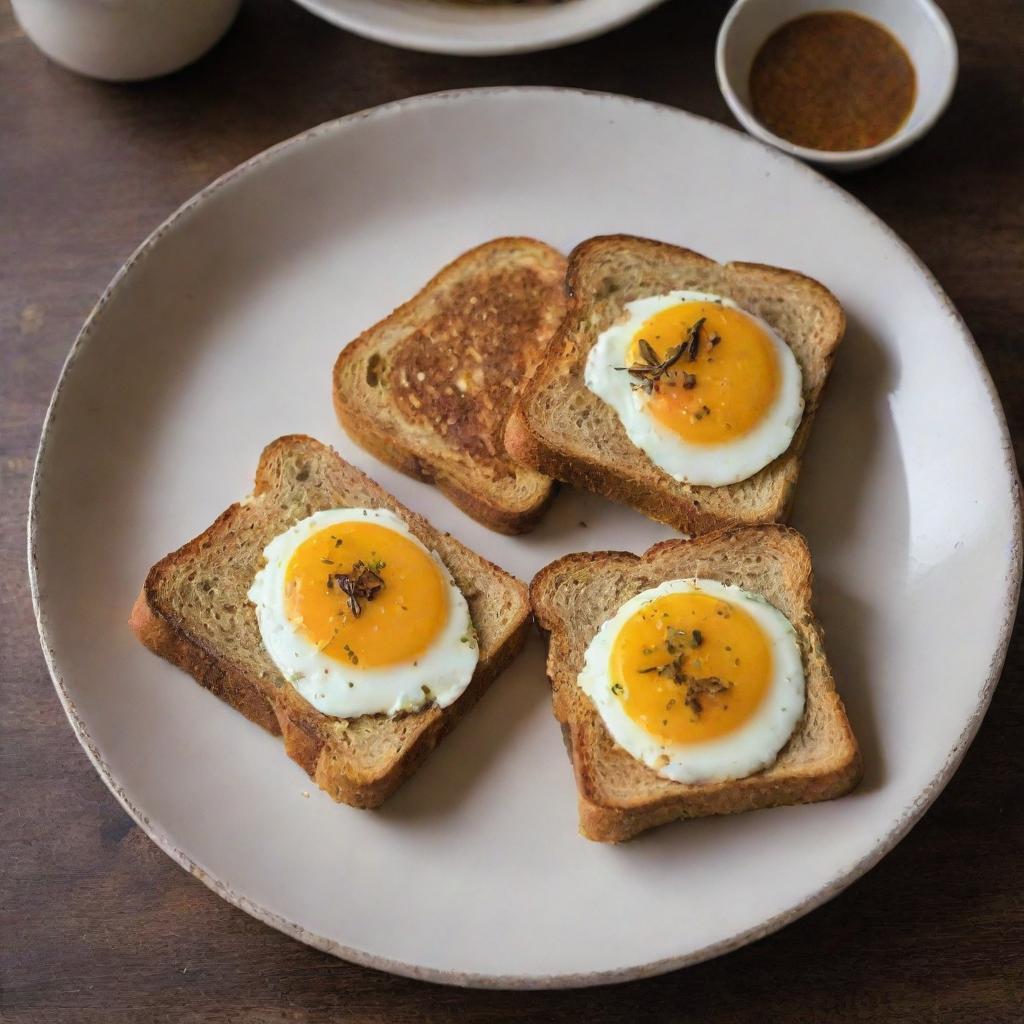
396	625
689	667
727	389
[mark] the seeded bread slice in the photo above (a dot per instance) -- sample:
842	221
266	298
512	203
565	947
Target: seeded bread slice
194	612
563	429
428	389
619	796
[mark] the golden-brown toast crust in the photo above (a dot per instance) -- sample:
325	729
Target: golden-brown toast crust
216	675
278	708
691	509
656	801
392	452
462	477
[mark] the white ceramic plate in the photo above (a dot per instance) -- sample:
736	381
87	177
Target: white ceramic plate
439	26
219	335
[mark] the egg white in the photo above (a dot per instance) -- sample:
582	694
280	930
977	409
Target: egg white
748	749
346	690
713	465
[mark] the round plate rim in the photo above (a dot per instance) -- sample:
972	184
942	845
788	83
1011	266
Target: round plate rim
1012	583
425	43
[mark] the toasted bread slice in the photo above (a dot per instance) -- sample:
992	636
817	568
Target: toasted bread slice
193	611
619	796
563	429
429	388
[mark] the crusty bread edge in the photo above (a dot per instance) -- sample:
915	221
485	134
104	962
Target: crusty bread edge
388	450
310	750
166	636
609	824
212	673
683	513
391	450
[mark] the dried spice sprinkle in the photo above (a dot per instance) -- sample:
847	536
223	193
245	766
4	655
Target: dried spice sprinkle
647	374
696	688
706	686
363	583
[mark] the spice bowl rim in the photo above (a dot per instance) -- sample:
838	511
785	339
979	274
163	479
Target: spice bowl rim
852	159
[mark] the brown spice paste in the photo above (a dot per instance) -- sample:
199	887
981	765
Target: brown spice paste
832	81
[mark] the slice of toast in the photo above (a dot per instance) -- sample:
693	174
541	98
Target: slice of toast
619	796
194	612
429	388
563	429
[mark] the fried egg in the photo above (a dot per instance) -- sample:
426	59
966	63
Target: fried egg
361	618
707	390
699	680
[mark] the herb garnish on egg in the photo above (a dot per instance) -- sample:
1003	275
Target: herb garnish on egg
652	369
675	669
362	583
703	411
355	634
665	678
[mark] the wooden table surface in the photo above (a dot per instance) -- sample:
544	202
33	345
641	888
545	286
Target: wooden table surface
97	924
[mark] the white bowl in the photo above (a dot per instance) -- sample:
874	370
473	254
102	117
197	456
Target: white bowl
918	24
439	26
125	40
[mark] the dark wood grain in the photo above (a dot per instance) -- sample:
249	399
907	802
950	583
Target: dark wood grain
97	924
